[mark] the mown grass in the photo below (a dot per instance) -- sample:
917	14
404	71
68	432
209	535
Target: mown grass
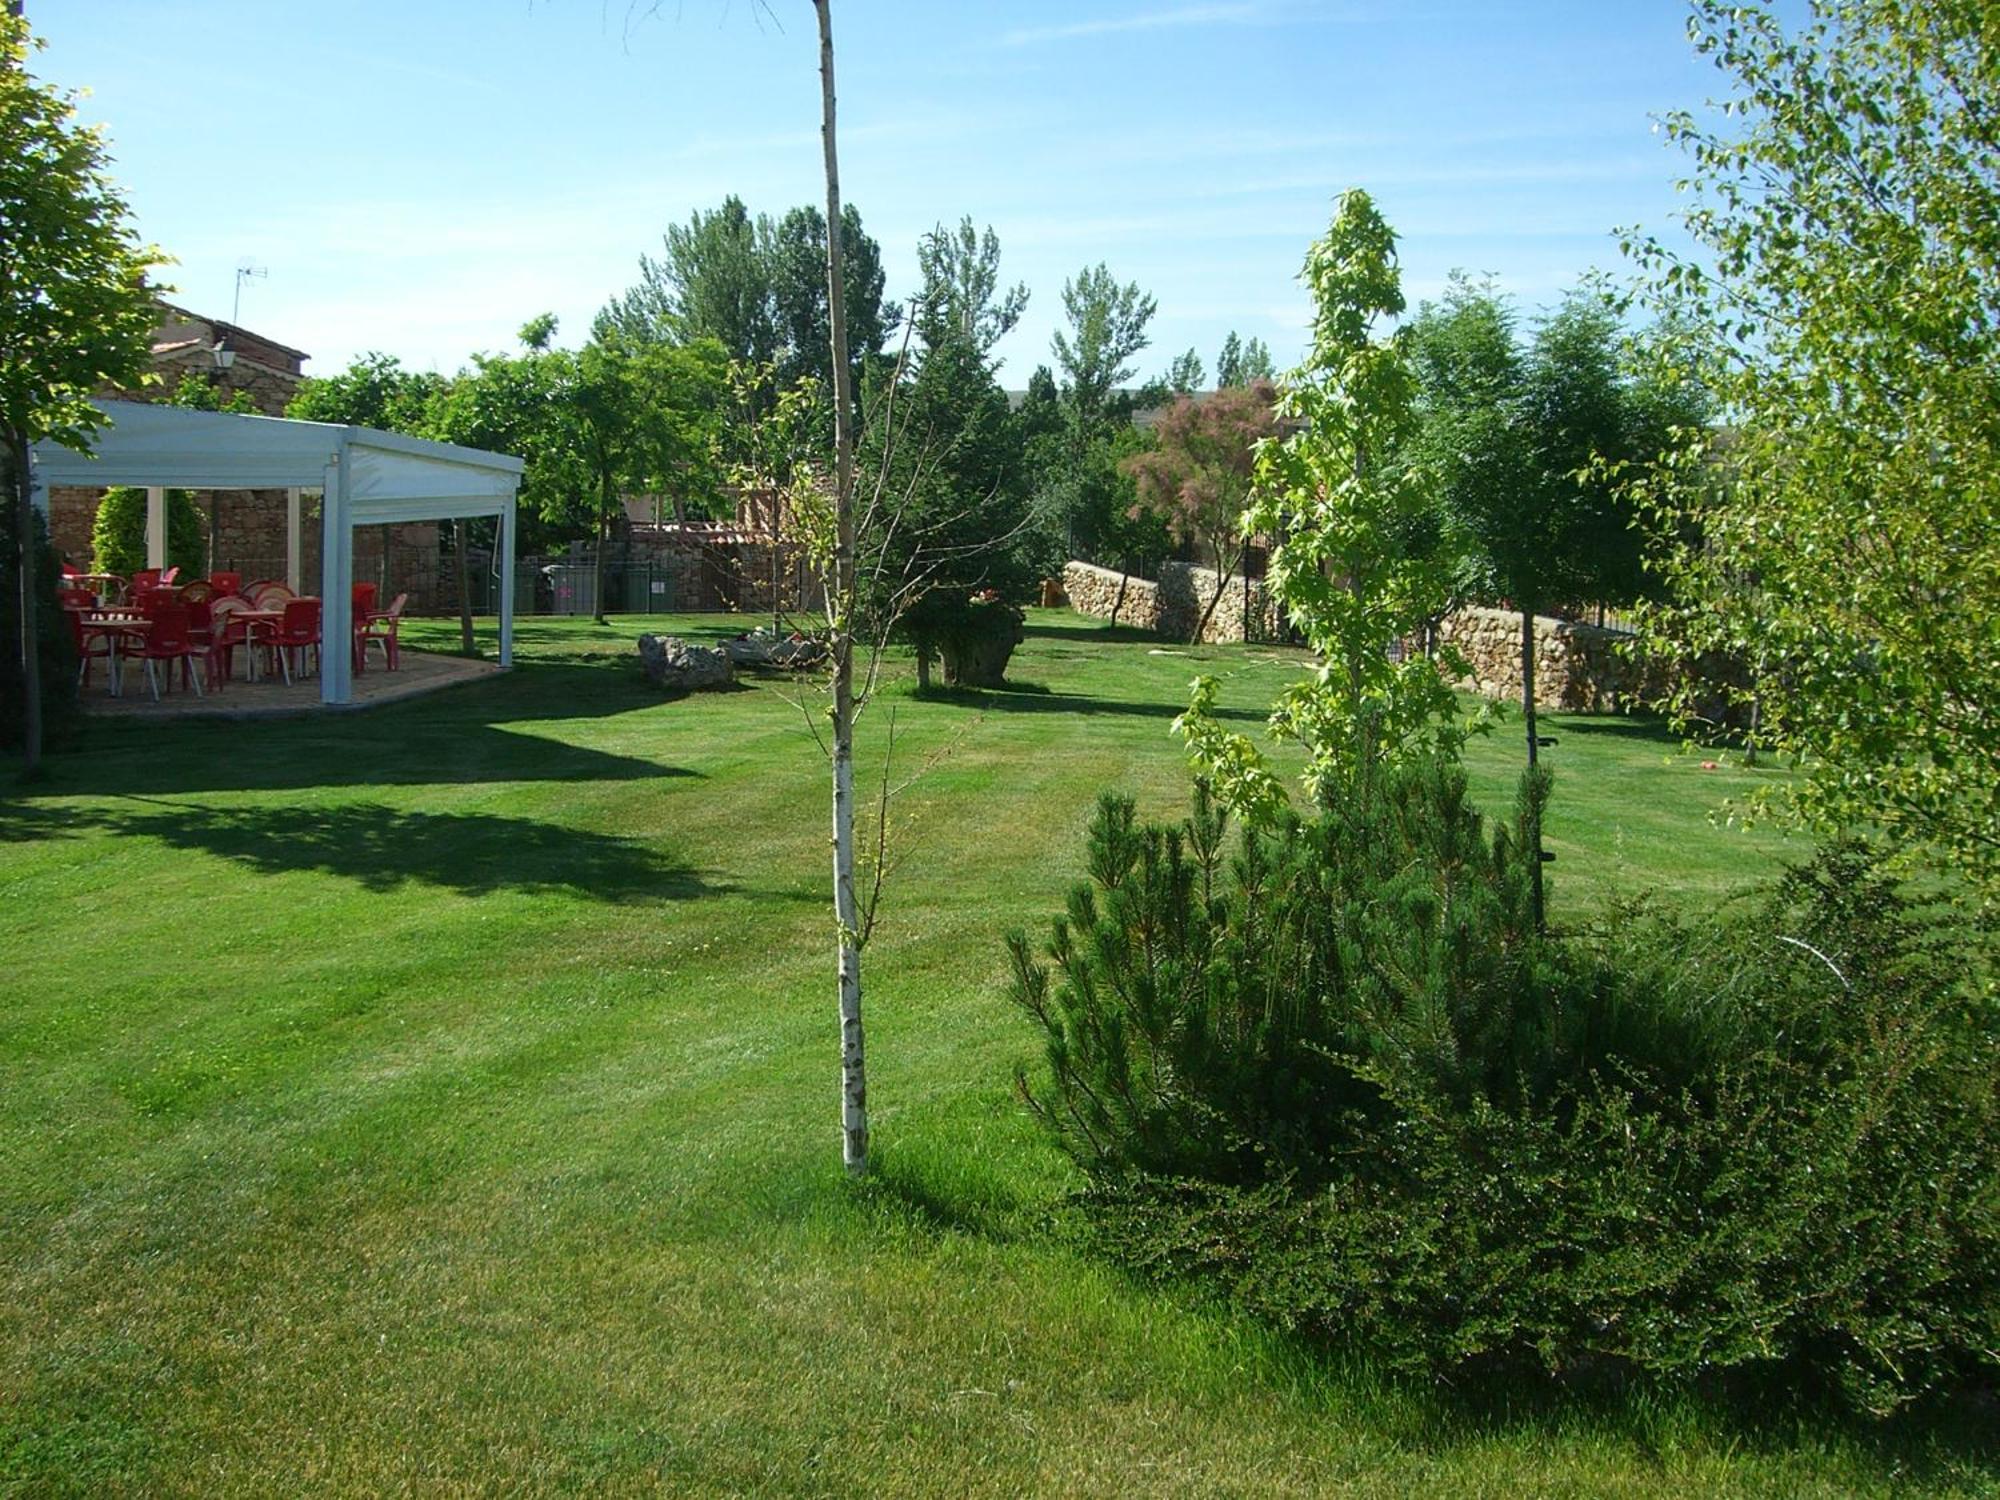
442	1098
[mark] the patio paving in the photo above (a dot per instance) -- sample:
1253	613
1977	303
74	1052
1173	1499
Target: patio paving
420	672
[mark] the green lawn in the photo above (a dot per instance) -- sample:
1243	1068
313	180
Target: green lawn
443	1098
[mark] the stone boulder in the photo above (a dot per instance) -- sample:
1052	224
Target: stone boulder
760	648
672	664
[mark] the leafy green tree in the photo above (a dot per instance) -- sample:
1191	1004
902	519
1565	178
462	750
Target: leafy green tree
198	392
798	289
520	404
1342	507
1107	327
1523	447
713	280
944	549
373	391
75	316
962	297
1185	375
1196	477
644	418
1841	303
1240	363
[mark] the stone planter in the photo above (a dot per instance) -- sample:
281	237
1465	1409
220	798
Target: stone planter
976	654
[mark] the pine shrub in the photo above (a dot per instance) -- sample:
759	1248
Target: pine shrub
1336	1071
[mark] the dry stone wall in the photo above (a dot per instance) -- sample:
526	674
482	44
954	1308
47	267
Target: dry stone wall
1582	668
1174	604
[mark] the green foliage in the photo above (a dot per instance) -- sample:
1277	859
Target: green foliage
618	415
1345	512
1239	363
947	522
1185	375
1841	303
797	258
75	317
1533	449
757	288
118	534
198	392
75	312
373	391
1086	502
962	297
1107	327
1341	1076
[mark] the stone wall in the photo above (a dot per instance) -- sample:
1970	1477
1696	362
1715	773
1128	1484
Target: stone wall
1174	604
1578	667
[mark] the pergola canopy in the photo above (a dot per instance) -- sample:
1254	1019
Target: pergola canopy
366	478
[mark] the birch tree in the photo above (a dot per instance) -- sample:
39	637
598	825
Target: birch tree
840	616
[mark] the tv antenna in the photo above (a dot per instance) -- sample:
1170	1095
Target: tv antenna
243	273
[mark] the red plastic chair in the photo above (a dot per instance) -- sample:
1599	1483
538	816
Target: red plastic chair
380	628
364	600
167	639
226	583
76	598
88	648
225	634
151	600
296	634
200	626
145	578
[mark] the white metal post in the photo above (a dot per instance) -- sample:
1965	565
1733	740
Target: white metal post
156	527
336	586
506	550
292	538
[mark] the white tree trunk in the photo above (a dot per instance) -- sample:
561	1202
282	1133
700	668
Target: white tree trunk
840	615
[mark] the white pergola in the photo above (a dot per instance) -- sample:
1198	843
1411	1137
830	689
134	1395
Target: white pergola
365	478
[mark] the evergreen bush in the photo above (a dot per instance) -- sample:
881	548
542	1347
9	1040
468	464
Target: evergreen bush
1338	1073
118	535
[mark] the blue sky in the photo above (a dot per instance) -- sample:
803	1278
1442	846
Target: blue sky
422	177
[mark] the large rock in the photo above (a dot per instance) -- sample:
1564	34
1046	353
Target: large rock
760	648
671	663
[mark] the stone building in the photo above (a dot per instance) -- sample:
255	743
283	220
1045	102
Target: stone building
246	528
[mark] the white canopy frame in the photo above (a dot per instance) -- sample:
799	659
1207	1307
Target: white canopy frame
365	478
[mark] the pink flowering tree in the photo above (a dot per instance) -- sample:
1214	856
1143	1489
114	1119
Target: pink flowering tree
1197	477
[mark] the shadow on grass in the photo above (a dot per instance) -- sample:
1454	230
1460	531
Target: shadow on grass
25	823
1103	633
1033	698
382	849
475	734
1606	727
907	1187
